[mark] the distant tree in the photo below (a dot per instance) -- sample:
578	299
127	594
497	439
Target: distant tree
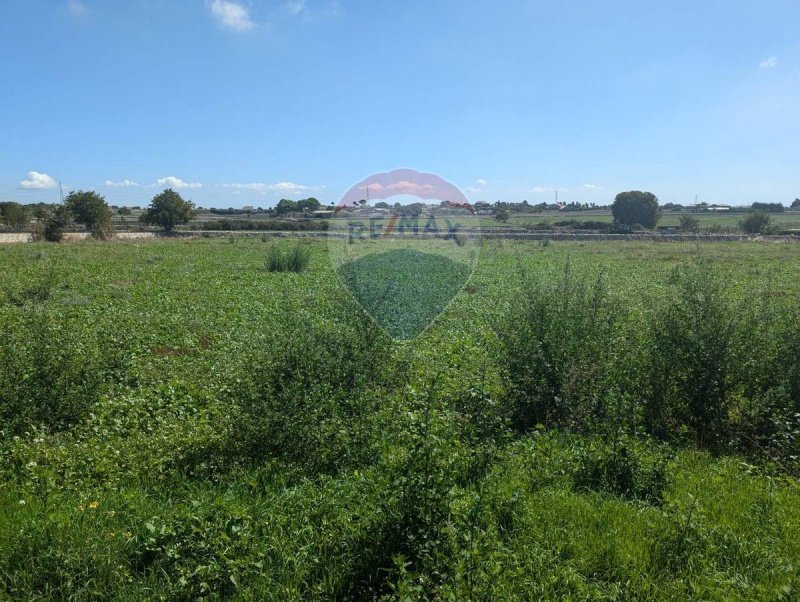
768	207
285	206
89	209
385	205
13	215
55	223
796	204
756	222
308	205
123	211
502	215
167	210
689	223
636	207
41	211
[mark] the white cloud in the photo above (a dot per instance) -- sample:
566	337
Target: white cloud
37	181
592	187
122	184
76	7
232	15
769	63
295	7
537	189
481	182
263	188
173	182
471	190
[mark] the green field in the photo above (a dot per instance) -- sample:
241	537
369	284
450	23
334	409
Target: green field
789	220
180	423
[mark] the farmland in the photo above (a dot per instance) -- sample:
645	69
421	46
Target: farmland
204	220
250	434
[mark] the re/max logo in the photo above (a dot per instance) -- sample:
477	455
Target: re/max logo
379	227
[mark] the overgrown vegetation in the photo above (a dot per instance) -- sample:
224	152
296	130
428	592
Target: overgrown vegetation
295	259
757	222
597	421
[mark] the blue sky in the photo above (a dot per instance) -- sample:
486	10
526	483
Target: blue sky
244	103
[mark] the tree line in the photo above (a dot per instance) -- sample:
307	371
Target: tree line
89	209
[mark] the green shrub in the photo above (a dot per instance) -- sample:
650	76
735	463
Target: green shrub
757	222
304	397
55	224
690	358
766	416
689	223
47	376
628	467
556	350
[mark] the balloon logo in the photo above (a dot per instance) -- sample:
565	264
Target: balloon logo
404	243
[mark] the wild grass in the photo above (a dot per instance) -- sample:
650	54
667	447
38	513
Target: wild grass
295	259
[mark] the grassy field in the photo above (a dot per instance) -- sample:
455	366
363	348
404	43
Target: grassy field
789	220
181	423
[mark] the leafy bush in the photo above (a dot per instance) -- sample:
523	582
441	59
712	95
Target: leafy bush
304	395
556	350
689	223
46	376
54	225
690	358
757	222
628	467
766	416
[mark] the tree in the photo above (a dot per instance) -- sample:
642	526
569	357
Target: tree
796	204
168	209
13	215
55	223
768	207
90	210
502	215
123	211
40	211
689	223
756	222
285	206
636	207
385	205
308	205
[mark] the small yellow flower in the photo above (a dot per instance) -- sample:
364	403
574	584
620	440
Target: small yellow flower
94	505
